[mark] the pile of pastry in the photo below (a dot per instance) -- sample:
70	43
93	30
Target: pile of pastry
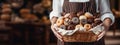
72	21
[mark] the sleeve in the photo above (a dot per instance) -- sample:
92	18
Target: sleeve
56	9
105	10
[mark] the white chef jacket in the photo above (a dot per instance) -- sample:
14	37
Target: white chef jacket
103	5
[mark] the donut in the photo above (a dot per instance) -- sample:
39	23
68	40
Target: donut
82	28
93	25
72	15
90	21
78	26
67	21
71	27
79	13
25	11
5	17
6	11
16	5
60	21
18	20
88	15
5	6
75	20
67	15
97	21
87	27
63	27
83	19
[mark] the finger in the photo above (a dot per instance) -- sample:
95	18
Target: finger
59	37
101	35
56	33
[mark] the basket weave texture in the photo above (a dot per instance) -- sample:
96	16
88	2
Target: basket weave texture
80	36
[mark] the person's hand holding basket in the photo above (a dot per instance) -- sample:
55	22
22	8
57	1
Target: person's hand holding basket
82	28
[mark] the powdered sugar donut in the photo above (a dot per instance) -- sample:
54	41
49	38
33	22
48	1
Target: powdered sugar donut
71	27
67	21
75	20
83	19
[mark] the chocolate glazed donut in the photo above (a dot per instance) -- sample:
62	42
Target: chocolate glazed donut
72	15
70	27
80	13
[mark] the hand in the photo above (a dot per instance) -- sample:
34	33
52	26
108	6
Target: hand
106	24
56	33
53	20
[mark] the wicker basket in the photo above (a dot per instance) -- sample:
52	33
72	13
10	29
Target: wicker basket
80	37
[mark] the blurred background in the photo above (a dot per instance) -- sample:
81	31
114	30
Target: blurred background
26	22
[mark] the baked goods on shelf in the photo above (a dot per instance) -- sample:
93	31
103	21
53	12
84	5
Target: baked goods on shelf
6	11
5	17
